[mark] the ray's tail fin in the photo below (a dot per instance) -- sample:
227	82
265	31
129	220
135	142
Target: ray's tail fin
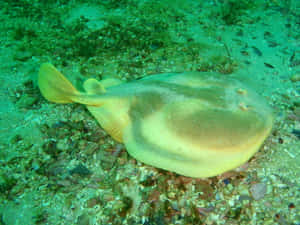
54	86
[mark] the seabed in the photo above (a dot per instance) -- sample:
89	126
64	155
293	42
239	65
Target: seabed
58	166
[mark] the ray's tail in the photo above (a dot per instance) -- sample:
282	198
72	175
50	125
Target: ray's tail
54	86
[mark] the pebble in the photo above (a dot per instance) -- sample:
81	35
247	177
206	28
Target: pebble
83	219
23	56
26	101
258	190
296	132
295	77
81	170
62	144
297	111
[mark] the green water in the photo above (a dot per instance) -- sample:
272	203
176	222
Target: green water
58	166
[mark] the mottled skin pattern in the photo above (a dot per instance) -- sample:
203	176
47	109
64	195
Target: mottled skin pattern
195	124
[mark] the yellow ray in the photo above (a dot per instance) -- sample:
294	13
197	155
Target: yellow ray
195	124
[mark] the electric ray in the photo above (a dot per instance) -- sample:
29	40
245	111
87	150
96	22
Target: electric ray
196	124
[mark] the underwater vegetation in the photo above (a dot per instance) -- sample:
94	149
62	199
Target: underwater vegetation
134	29
141	30
232	10
118	35
26	97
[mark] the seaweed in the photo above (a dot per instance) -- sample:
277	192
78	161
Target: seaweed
218	63
26	96
232	10
22	32
113	4
119	34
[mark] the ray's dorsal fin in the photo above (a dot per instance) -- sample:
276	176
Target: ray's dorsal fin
92	86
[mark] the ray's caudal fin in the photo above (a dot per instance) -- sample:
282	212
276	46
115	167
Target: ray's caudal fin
54	86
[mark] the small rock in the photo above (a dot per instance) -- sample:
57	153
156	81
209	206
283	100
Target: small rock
295	77
57	169
51	149
258	190
297	111
244	198
83	219
292	206
90	148
81	170
59	124
93	201
296	132
22	56
16	139
62	144
26	101
297	104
